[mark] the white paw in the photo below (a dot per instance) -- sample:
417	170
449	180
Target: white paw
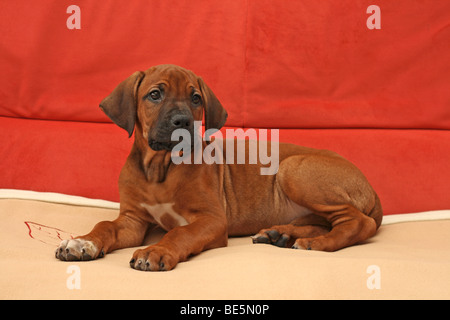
77	250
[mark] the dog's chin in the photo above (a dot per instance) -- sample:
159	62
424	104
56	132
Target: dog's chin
158	145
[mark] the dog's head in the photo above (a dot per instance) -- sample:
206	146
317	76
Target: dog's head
160	100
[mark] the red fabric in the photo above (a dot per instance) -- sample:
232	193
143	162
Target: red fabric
319	63
314	60
78	158
51	72
408	168
293	65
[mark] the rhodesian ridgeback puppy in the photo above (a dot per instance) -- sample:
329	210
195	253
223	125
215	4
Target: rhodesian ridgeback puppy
317	200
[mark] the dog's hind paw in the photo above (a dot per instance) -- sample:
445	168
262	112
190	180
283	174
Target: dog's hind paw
271	236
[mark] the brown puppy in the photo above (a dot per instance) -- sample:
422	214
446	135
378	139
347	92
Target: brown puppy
317	200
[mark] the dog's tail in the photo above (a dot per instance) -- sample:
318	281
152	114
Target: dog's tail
377	212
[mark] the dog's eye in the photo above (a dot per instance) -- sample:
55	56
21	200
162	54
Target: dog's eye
155	95
196	99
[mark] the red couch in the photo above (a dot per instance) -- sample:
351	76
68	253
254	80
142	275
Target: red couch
313	69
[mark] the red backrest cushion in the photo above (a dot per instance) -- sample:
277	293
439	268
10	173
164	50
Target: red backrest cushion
278	64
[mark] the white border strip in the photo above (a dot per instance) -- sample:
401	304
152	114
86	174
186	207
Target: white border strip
56	198
82	201
419	216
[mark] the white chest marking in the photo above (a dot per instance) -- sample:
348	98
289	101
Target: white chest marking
165	215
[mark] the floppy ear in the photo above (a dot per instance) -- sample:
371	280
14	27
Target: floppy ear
215	114
120	106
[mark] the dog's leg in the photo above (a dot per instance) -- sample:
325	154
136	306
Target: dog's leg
105	237
349	226
206	232
334	190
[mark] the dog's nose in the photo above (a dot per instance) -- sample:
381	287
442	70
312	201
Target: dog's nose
181	121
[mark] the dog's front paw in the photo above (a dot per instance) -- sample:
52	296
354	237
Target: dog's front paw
153	258
77	250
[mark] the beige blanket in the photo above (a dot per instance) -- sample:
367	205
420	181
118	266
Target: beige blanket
408	260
